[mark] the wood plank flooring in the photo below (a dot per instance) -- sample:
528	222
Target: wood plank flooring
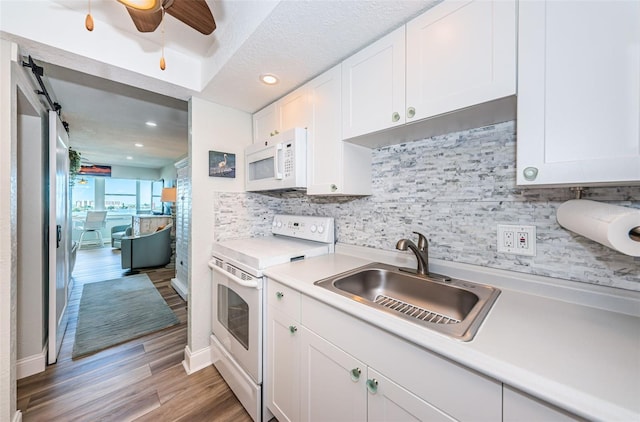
141	380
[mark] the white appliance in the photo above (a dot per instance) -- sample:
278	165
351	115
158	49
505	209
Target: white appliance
238	302
278	163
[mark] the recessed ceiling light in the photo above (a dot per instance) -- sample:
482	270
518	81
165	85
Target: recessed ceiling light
138	145
269	79
152	124
129	157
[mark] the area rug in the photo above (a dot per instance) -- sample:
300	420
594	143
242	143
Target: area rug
115	311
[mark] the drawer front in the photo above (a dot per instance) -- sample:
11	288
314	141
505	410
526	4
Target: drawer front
283	298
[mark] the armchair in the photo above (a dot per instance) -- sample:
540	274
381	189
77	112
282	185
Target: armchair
149	250
117	233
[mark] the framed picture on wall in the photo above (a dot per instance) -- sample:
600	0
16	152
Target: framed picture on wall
222	164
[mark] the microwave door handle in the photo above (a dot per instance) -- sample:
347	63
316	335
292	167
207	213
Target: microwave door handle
253	284
276	162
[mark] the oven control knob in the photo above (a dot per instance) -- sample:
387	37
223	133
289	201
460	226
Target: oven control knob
279	223
313	228
274	223
321	229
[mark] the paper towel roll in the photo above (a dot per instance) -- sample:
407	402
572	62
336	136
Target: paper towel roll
611	225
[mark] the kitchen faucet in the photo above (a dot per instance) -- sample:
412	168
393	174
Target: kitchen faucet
421	251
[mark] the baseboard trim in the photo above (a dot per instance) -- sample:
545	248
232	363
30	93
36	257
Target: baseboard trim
32	364
17	417
181	288
195	361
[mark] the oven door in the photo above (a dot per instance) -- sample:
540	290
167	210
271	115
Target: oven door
237	315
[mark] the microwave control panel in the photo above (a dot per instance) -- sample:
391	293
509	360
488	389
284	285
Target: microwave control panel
288	161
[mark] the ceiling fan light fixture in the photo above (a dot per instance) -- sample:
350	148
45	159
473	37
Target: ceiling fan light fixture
144	5
269	79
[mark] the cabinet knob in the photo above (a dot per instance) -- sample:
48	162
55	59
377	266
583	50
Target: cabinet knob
334	188
279	295
411	112
372	385
270	134
355	374
275	132
293	329
530	173
395	116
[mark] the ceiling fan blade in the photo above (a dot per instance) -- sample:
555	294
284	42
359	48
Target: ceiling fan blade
145	21
195	13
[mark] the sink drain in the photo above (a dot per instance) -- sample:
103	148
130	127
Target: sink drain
414	311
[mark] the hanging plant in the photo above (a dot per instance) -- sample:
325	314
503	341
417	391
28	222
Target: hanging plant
74	166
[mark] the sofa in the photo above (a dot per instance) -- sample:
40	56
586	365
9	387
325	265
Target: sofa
148	250
117	233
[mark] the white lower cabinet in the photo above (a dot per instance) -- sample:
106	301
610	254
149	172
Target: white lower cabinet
339	368
332	382
521	407
388	402
335	386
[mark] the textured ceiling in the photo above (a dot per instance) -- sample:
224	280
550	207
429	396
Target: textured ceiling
294	39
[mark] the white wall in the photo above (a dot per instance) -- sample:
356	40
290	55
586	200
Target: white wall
211	127
169	174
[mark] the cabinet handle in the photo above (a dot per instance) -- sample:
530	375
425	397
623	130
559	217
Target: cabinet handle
530	173
279	295
293	329
395	116
411	112
372	385
355	374
334	188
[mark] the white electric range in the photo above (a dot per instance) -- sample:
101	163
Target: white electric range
238	302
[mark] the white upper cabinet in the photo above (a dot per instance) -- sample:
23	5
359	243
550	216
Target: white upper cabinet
459	54
266	122
373	83
294	110
333	166
579	93
288	112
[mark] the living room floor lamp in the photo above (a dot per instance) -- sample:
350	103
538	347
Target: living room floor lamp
169	195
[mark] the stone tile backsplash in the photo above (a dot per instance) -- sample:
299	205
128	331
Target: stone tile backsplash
455	189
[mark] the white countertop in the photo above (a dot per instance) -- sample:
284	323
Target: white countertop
561	342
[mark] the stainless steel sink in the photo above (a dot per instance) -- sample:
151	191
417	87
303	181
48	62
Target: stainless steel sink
450	306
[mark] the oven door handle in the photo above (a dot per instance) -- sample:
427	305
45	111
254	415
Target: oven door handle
253	284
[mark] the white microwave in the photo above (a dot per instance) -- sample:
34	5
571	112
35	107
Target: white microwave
278	163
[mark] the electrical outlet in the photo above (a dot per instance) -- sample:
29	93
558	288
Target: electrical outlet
517	240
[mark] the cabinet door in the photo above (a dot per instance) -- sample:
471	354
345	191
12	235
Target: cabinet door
459	54
294	110
332	381
283	366
520	407
388	402
373	83
324	143
578	92
266	123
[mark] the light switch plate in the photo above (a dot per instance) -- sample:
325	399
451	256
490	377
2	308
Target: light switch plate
517	239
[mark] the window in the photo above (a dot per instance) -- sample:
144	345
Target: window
118	196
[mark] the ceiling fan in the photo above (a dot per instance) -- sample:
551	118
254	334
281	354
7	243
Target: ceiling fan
147	14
